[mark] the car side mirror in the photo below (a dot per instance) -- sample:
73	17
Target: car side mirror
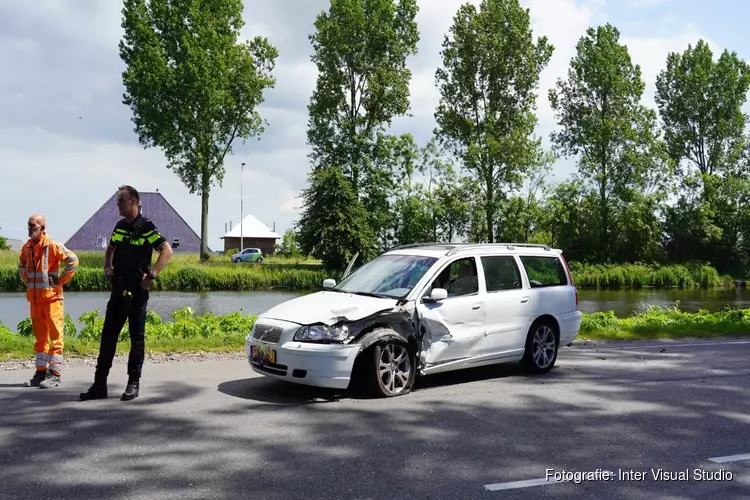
329	283
436	295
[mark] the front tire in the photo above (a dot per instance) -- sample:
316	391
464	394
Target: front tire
541	347
390	369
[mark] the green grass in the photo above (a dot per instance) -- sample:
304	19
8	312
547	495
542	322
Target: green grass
186	332
186	273
96	260
666	323
616	276
191	278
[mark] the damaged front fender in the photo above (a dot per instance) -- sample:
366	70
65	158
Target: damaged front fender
381	333
399	323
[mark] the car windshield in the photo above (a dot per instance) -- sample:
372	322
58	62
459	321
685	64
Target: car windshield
387	276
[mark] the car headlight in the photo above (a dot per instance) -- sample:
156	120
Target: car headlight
323	333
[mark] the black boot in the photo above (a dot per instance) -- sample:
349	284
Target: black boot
131	391
97	391
36	380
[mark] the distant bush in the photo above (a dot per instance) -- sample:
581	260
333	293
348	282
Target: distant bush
666	322
186	332
192	278
640	276
185	272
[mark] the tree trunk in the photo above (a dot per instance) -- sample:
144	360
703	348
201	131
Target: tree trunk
490	212
205	189
604	211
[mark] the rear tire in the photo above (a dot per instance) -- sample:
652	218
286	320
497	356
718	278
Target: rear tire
542	345
389	369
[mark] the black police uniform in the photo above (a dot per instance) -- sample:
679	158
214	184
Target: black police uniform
134	243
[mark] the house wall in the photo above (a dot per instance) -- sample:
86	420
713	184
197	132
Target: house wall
266	245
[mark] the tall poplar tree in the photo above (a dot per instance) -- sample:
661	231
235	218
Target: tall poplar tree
360	48
488	84
603	123
192	86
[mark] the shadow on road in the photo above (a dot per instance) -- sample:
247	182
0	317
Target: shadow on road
184	441
473	375
265	390
3	386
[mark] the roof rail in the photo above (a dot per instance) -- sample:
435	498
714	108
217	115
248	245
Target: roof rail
510	246
416	245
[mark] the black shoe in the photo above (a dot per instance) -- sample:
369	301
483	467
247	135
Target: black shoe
96	391
131	391
36	380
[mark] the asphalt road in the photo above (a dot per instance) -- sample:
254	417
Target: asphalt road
216	430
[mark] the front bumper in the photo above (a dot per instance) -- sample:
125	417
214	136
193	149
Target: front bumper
319	365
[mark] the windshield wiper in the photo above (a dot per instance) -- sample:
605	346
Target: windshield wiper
371	294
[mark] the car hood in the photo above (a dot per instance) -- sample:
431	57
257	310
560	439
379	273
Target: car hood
328	308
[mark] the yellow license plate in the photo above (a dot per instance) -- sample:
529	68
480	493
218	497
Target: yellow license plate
263	354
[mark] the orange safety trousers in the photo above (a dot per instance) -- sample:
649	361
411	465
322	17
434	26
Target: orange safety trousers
48	323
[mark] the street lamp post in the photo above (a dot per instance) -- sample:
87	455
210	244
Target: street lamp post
242	212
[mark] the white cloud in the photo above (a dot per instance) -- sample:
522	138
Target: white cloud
59	60
651	53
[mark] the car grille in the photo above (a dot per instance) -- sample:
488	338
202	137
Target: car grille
266	333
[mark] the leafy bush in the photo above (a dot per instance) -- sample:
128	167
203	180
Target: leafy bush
187	332
184	325
641	276
667	322
25	329
192	278
179	259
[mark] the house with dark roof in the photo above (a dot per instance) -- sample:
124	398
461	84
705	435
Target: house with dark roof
251	233
95	233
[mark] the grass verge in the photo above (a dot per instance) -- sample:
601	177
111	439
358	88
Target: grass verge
197	278
186	273
187	332
96	260
666	323
694	275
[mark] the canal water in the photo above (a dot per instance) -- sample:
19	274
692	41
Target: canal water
14	308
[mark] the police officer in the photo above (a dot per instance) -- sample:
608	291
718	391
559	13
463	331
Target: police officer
127	266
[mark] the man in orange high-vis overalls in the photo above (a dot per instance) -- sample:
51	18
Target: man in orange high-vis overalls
39	265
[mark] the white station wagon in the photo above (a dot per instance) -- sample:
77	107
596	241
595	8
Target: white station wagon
419	310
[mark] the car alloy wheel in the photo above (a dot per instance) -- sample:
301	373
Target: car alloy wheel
541	347
391	369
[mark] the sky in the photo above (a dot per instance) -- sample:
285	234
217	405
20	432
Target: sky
67	141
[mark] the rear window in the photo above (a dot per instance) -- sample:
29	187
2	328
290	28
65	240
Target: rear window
544	271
